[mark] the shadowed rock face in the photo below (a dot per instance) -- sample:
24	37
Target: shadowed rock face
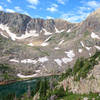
16	22
19	23
92	23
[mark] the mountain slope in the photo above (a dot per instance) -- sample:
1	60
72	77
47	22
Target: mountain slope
37	47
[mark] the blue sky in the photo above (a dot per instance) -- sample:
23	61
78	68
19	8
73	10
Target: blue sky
70	10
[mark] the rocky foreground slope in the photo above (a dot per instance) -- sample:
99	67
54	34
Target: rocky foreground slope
37	47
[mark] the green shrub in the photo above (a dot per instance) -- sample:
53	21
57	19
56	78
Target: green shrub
83	66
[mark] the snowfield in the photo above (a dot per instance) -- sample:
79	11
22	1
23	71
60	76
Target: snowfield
61	42
97	47
58	61
70	53
80	50
88	48
43	59
56	48
14	37
3	35
69	58
82	44
14	60
47	38
26	76
58	31
30	44
94	36
66	60
44	44
46	32
28	61
69	30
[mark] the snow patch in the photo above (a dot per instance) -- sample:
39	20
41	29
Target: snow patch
43	59
14	60
58	61
26	76
61	42
82	44
70	53
24	61
44	44
57	31
33	33
80	50
47	38
97	47
94	36
30	44
56	48
69	30
88	48
3	35
66	60
37	71
14	37
29	61
46	32
45	68
90	54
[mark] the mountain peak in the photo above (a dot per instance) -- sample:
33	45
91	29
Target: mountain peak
96	12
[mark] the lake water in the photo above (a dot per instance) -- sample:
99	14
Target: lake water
19	88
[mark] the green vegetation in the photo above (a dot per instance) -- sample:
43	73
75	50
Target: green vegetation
90	96
86	33
66	74
83	66
42	52
7	73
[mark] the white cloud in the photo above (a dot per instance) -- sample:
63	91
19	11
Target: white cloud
9	1
61	1
10	10
54	5
1	8
35	2
80	13
49	17
77	16
84	8
17	8
93	4
32	6
53	8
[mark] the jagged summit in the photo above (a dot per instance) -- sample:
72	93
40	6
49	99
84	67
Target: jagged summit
19	23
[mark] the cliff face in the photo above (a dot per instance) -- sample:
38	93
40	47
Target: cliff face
19	23
44	47
92	23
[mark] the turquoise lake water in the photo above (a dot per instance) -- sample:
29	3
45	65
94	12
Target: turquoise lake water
19	88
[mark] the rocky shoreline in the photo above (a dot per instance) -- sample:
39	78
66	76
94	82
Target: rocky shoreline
7	82
13	81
